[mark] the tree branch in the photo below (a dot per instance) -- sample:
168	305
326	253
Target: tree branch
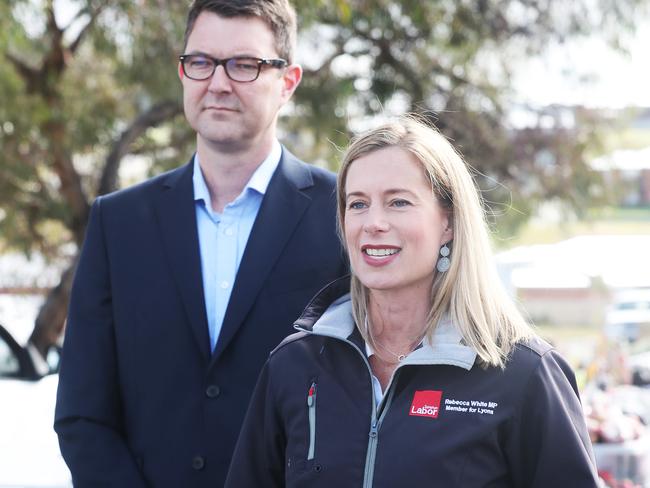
154	116
74	45
52	26
51	316
27	73
326	65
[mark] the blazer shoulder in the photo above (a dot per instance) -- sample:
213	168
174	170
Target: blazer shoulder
321	174
304	174
151	185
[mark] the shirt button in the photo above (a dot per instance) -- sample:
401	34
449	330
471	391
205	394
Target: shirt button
228	232
212	391
225	284
198	463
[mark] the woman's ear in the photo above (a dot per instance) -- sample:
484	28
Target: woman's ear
448	227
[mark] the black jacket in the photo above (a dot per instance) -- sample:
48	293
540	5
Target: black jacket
444	420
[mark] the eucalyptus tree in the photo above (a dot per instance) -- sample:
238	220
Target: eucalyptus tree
83	84
88	89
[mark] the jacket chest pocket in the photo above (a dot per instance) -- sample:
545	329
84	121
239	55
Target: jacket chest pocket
302	456
311	418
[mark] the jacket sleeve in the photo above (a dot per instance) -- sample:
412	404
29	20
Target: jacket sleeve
88	417
549	443
259	458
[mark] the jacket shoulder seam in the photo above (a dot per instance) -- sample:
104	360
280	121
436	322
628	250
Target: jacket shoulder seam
539	348
288	340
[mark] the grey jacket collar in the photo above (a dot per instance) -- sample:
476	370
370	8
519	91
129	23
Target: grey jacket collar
445	346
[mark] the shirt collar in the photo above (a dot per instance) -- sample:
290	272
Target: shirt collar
201	192
369	350
262	175
258	182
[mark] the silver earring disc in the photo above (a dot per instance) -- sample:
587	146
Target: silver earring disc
443	264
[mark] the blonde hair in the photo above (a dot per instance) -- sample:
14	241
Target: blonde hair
470	292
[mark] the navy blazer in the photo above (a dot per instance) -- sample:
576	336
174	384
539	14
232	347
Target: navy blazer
141	399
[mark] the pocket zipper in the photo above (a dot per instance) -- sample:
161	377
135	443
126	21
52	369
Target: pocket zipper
311	407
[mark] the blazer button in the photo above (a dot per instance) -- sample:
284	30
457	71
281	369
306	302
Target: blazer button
212	391
198	463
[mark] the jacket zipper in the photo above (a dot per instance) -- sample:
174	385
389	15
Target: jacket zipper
311	406
371	453
375	423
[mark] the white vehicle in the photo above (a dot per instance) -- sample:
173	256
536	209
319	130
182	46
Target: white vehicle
29	450
628	317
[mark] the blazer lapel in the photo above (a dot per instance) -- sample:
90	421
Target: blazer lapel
283	205
177	218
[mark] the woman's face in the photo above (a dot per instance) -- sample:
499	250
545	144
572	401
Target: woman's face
394	225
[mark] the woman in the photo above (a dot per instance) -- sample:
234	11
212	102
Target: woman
424	374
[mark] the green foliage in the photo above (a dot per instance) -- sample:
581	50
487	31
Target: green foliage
452	60
63	103
368	60
76	98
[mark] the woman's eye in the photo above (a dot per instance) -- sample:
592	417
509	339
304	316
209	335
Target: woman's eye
356	205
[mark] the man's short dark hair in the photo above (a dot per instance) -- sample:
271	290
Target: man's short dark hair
279	15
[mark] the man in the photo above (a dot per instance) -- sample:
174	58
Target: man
187	281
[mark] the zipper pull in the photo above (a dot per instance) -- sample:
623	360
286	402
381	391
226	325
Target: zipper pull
311	396
373	429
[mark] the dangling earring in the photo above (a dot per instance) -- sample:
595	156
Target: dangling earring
444	262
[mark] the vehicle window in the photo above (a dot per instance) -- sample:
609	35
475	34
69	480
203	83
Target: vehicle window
9	365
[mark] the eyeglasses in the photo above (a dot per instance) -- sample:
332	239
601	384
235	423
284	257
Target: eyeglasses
200	67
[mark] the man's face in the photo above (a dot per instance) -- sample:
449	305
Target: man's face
227	115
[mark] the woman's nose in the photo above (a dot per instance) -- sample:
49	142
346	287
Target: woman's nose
376	221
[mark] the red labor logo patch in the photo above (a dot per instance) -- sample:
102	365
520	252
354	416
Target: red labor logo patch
426	403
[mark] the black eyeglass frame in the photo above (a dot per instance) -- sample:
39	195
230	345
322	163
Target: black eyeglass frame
278	63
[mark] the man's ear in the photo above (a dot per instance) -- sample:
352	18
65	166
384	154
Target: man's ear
291	78
181	73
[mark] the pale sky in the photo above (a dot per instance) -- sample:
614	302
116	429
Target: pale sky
617	79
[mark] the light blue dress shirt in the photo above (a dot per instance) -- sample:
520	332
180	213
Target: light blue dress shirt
376	385
223	236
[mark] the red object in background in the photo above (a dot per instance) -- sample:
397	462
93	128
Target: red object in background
611	482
